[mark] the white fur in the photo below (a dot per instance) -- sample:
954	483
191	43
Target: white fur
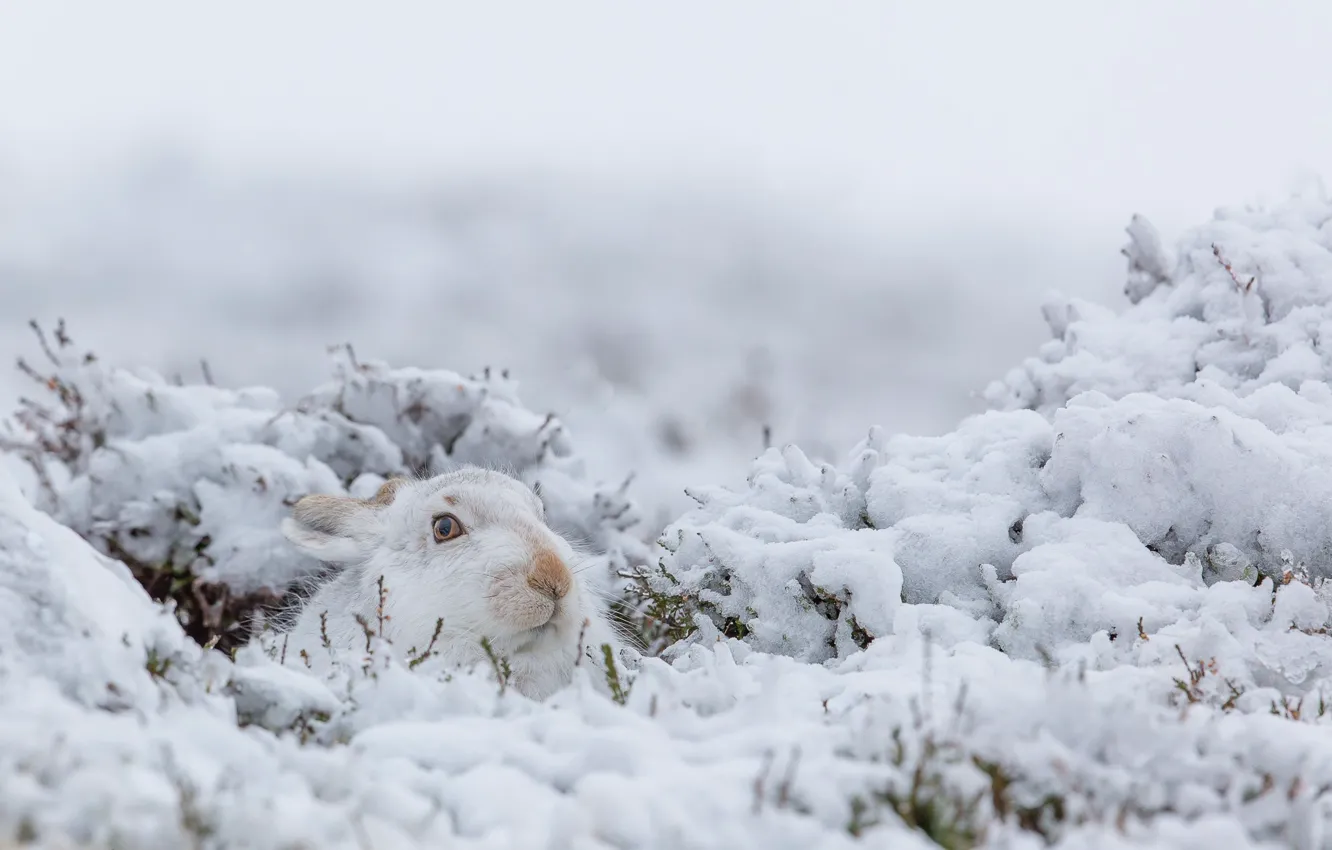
476	583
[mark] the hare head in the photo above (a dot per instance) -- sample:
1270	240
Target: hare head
470	547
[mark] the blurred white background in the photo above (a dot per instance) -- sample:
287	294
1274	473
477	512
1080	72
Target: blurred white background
675	223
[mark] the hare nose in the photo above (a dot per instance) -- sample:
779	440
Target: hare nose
550	575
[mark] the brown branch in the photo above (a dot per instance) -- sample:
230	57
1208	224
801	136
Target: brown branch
1242	286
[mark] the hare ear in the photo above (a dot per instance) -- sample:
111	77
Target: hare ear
387	490
334	529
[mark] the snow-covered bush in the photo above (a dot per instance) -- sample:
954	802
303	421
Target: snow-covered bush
1141	459
1242	305
187	483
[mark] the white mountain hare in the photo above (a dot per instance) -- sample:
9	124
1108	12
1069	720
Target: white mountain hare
470	547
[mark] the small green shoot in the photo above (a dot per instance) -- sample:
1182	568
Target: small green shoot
618	691
500	664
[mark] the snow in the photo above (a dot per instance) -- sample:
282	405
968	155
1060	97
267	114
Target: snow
1094	616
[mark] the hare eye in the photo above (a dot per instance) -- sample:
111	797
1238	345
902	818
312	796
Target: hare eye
446	527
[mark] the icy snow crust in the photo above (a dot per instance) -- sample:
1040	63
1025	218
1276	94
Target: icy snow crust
1094	616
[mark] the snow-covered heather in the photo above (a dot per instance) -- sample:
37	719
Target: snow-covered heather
188	483
1093	616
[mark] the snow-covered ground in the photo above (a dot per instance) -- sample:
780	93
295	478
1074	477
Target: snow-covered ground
1092	616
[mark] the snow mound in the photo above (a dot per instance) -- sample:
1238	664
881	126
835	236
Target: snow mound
1193	475
1242	305
124	733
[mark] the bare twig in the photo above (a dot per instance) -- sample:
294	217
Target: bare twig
582	632
760	780
1243	286
430	647
784	788
500	664
379	609
41	338
61	337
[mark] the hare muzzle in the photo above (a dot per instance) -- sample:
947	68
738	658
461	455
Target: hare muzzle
528	596
550	575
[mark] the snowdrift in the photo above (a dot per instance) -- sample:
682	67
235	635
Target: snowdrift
1094	616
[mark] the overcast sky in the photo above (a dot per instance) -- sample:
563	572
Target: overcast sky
1071	111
